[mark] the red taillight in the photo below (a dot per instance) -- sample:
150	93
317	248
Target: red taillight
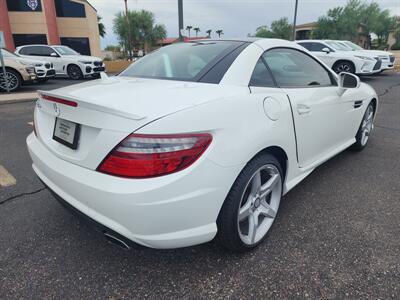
144	156
59	100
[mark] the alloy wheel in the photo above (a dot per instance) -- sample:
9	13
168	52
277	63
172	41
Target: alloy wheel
74	72
259	204
13	81
367	125
343	67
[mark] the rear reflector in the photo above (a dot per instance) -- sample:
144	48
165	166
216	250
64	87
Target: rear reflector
145	156
59	100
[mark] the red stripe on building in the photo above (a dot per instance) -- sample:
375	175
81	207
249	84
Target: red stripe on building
5	26
51	21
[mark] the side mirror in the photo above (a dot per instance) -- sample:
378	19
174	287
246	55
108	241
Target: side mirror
348	81
326	50
53	54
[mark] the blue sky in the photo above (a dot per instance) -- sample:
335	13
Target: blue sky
236	17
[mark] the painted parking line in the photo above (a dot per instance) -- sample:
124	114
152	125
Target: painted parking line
6	179
30	123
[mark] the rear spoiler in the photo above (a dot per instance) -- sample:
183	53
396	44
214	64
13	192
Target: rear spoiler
78	102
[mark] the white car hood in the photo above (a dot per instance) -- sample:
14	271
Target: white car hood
138	98
379	52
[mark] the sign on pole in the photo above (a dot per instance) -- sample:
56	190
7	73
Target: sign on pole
3	45
2	40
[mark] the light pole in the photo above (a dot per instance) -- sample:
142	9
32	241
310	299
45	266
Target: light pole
129	30
180	17
294	21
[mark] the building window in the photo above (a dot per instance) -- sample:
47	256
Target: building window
70	9
24	5
29	39
80	45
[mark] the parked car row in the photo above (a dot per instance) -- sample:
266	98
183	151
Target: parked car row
345	56
39	63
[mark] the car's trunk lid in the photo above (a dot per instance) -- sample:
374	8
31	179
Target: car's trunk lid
108	110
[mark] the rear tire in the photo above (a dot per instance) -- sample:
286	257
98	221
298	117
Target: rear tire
344	66
14	80
365	129
74	72
251	206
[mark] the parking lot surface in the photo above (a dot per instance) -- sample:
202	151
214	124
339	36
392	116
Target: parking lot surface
336	235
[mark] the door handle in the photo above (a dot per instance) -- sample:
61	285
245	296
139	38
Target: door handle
303	109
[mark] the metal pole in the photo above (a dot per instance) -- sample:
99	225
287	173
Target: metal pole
180	13
129	31
294	21
4	70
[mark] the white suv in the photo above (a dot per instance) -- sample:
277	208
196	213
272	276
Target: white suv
65	60
340	59
387	58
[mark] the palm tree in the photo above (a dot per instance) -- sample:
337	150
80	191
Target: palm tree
219	32
197	30
209	32
102	28
188	28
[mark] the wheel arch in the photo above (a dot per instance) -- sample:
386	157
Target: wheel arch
279	153
72	64
16	71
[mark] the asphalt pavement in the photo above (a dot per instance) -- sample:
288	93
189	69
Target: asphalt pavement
337	234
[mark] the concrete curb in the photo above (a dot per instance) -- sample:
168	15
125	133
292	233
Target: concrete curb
17	97
17	101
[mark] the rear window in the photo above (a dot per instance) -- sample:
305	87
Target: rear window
182	61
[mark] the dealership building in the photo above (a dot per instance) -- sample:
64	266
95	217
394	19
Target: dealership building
55	22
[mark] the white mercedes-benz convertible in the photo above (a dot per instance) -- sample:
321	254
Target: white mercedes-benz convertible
197	140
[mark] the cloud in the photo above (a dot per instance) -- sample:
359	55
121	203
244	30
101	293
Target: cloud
236	17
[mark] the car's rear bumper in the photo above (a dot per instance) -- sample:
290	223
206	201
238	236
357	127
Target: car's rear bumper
172	211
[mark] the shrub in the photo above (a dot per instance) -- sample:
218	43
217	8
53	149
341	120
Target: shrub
396	46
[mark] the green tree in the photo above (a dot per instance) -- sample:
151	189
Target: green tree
102	28
197	30
219	32
264	32
113	48
188	28
144	32
280	29
209	32
346	22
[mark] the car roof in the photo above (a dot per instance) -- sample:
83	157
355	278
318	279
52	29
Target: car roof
265	43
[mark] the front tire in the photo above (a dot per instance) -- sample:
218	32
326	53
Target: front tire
251	205
344	66
365	129
74	72
14	80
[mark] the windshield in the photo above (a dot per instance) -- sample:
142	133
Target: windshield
338	46
63	50
7	53
353	46
181	61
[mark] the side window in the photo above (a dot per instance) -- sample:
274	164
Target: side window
308	46
261	75
32	50
46	51
318	47
293	68
25	51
